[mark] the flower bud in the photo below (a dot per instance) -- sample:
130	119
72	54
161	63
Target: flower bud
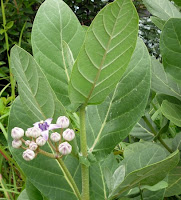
55	137
28	155
16	144
17	133
33	146
63	122
68	134
27	142
33	132
40	141
28	132
65	148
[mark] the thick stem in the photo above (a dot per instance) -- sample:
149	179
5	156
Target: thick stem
69	178
155	133
84	168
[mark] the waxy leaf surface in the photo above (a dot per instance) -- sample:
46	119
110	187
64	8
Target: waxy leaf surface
54	24
147	171
162	83
172	112
174	182
109	43
170	47
163	9
110	122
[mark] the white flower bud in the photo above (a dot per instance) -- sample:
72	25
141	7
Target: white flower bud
65	148
33	146
17	133
55	137
28	155
16	144
33	132
63	122
27	142
68	134
28	132
40	141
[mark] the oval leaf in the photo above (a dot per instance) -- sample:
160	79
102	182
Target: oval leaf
54	23
170	46
111	121
109	44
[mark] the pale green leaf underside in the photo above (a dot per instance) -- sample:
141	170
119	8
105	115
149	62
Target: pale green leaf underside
170	46
43	172
35	92
148	175
54	23
172	112
174	182
111	121
163	9
109	44
23	195
162	82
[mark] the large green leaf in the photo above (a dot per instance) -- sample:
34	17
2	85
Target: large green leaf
43	172
35	91
172	112
32	192
170	46
109	44
111	121
55	23
163	9
174	182
162	83
148	171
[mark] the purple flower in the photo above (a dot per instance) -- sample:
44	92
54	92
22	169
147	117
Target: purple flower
45	127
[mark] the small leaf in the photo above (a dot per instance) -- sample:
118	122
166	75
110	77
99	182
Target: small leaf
170	47
107	50
172	112
118	176
156	187
9	25
162	9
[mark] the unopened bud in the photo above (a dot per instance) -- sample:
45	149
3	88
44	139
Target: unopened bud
28	155
33	146
65	148
27	142
17	133
55	137
28	132
63	122
16	144
40	141
33	132
68	134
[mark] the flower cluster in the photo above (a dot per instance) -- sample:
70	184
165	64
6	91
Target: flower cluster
40	134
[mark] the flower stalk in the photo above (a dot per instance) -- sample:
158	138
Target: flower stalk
84	168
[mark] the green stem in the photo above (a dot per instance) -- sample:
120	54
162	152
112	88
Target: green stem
12	81
69	178
155	133
84	168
